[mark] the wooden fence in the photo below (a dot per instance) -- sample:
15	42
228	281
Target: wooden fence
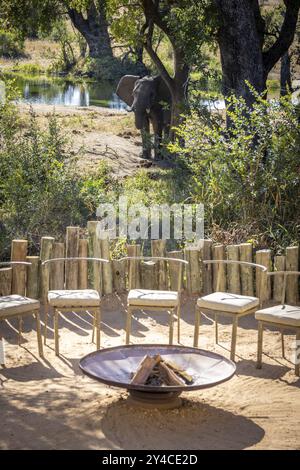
118	276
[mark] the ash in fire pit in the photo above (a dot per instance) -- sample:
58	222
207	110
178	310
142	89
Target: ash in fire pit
156	371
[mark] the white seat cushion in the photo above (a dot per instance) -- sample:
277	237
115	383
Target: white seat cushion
284	314
227	302
74	298
154	298
17	304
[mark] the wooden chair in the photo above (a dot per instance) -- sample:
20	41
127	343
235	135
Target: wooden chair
150	299
281	317
227	304
75	300
18	306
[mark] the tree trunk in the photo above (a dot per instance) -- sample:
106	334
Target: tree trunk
178	89
94	28
241	52
241	39
285	75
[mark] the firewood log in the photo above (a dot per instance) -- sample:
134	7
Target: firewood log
179	371
169	377
144	370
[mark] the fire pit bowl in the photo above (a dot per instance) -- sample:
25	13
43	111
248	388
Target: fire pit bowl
114	366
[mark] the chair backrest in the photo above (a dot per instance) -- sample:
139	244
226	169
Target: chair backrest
181	263
51	260
285	274
46	264
14	263
262	268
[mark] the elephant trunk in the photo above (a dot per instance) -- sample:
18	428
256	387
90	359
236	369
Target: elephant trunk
140	119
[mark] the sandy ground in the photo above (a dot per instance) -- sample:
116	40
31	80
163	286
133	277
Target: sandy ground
50	404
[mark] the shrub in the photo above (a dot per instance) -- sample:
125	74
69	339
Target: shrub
248	175
40	192
11	44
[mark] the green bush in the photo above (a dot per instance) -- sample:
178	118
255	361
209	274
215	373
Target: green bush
11	44
247	176
40	192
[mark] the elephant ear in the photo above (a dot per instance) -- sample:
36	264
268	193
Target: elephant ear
125	88
163	92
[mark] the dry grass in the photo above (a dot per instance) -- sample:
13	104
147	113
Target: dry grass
37	52
83	120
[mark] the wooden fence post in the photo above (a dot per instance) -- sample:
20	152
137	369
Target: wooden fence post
106	267
263	282
278	284
233	270
83	265
133	267
193	279
94	252
18	253
206	280
292	282
33	277
46	252
219	270
5	281
173	269
247	283
119	276
71	267
148	274
57	268
158	248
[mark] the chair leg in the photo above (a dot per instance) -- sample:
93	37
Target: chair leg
47	308
233	338
282	344
128	324
98	322
259	344
20	330
197	324
171	323
2	352
56	334
39	334
178	321
297	354
216	328
94	327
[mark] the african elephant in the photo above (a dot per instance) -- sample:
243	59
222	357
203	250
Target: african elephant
150	99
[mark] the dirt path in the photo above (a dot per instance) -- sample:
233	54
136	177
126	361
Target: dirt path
49	404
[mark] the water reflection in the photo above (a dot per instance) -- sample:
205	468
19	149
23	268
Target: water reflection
57	91
43	90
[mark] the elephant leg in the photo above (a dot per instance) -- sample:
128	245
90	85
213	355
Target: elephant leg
146	141
157	129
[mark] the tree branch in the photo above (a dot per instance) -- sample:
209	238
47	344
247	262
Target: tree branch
153	55
259	21
77	19
285	38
